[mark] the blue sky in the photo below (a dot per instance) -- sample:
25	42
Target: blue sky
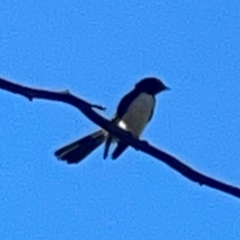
99	50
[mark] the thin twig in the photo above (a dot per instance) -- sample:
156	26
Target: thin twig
86	109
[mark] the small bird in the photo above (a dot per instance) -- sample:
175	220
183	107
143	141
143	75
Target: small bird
134	111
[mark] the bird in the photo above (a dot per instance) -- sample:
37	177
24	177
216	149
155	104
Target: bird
134	112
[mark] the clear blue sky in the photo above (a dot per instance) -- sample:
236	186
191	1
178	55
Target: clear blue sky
99	50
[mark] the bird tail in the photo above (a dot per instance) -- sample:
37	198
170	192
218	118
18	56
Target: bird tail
78	150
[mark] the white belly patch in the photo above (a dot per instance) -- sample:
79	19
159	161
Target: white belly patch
138	114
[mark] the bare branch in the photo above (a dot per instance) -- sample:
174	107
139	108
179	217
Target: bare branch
87	109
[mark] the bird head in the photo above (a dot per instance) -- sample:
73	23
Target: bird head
151	85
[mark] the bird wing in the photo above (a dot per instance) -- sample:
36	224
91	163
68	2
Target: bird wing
119	150
125	102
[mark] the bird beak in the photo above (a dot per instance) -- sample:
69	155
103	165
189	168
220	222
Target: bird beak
167	88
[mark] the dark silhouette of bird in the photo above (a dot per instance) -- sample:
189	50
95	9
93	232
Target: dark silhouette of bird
133	113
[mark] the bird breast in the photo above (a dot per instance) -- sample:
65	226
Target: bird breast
138	114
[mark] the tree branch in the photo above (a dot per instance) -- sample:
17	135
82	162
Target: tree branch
87	109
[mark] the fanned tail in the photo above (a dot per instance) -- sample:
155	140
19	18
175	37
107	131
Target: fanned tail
78	150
